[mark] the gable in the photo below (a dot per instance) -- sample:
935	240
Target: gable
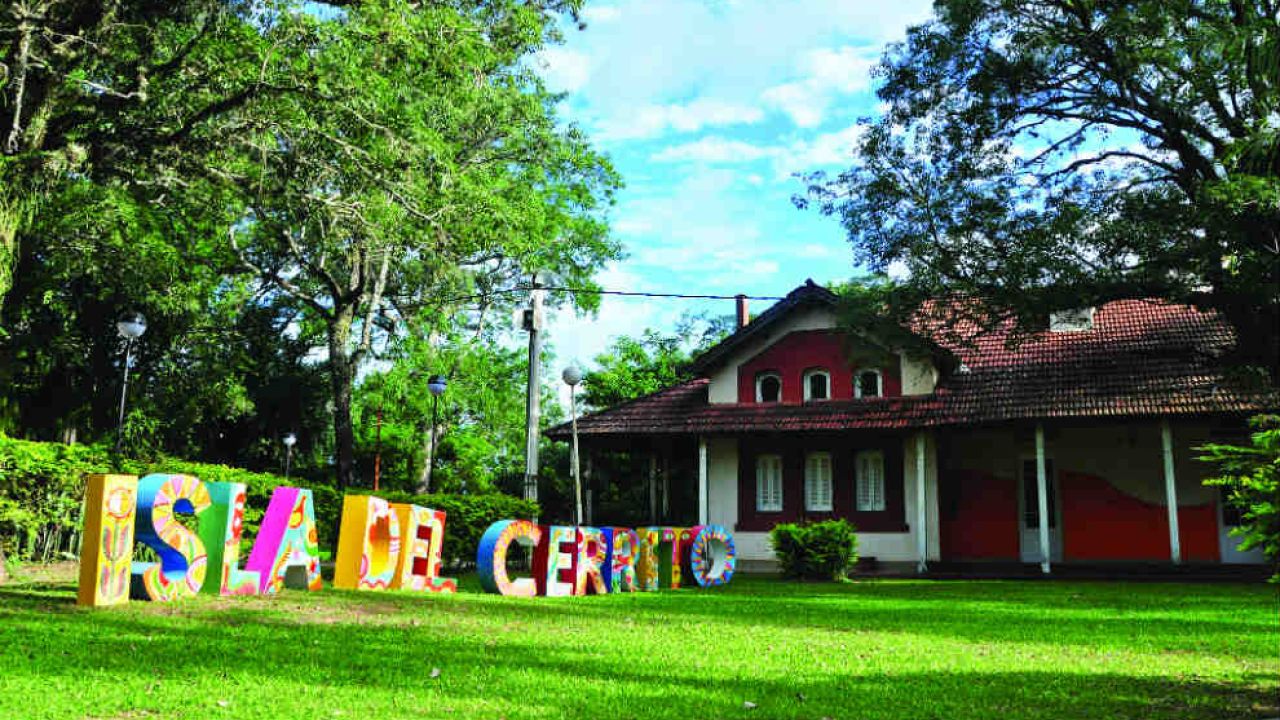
796	353
723	386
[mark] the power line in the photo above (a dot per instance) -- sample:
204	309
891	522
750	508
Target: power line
602	291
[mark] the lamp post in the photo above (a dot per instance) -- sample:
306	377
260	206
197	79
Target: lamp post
436	384
131	326
572	375
289	441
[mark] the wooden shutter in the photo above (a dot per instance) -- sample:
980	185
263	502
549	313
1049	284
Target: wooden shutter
869	467
768	483
817	482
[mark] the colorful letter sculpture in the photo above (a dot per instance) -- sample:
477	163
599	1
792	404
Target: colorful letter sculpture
287	540
712	556
220	529
594	561
557	565
368	545
183	562
491	557
109	508
421	550
658	545
622	560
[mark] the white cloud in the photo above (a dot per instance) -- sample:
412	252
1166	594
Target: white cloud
654	120
564	70
601	13
828	74
826	150
714	150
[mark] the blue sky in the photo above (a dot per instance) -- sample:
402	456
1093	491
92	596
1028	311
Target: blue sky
707	108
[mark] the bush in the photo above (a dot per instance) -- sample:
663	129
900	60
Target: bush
42	493
468	516
824	550
1251	476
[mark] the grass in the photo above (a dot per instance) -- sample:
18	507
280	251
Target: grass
870	649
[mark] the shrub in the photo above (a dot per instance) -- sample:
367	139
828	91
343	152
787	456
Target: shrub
1251	476
825	550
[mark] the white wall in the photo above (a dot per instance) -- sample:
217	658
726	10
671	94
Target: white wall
722	482
919	376
933	542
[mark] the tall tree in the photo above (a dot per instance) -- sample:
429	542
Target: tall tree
1046	155
428	163
116	92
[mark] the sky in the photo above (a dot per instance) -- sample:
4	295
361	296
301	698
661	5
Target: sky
708	108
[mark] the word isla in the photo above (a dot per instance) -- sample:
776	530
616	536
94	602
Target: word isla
585	560
121	510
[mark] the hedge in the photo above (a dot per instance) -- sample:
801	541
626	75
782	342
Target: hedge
42	490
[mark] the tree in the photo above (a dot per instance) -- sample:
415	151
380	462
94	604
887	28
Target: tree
1251	476
117	92
633	367
1059	154
426	162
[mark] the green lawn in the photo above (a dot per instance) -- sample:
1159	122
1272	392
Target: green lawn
870	649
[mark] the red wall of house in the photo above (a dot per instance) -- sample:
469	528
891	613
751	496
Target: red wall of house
805	350
843	450
1101	523
979	516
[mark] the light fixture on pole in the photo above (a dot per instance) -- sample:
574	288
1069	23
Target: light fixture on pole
131	326
436	384
289	441
572	375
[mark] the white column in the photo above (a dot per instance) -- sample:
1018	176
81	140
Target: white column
1042	499
703	497
922	538
1170	492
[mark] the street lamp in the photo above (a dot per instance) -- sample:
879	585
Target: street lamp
436	384
289	441
572	375
131	326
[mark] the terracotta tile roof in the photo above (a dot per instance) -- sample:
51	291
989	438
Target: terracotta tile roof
1142	358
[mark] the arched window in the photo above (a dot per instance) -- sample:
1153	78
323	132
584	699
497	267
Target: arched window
817	385
768	387
868	384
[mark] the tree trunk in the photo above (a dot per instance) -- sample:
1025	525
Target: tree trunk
342	378
4	570
10	216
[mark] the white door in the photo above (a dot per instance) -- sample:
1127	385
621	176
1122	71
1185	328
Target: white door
1029	507
1228	519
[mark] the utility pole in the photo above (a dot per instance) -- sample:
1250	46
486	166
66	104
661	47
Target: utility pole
532	322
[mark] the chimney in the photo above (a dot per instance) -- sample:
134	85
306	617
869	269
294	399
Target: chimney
744	316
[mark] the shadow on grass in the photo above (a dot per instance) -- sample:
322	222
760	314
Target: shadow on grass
643	681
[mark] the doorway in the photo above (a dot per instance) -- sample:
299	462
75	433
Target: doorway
1029	512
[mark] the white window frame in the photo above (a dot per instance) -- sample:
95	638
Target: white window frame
816	497
874	499
760	380
809	374
769	490
857	382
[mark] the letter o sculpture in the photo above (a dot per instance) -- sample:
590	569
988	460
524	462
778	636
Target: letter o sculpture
712	556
